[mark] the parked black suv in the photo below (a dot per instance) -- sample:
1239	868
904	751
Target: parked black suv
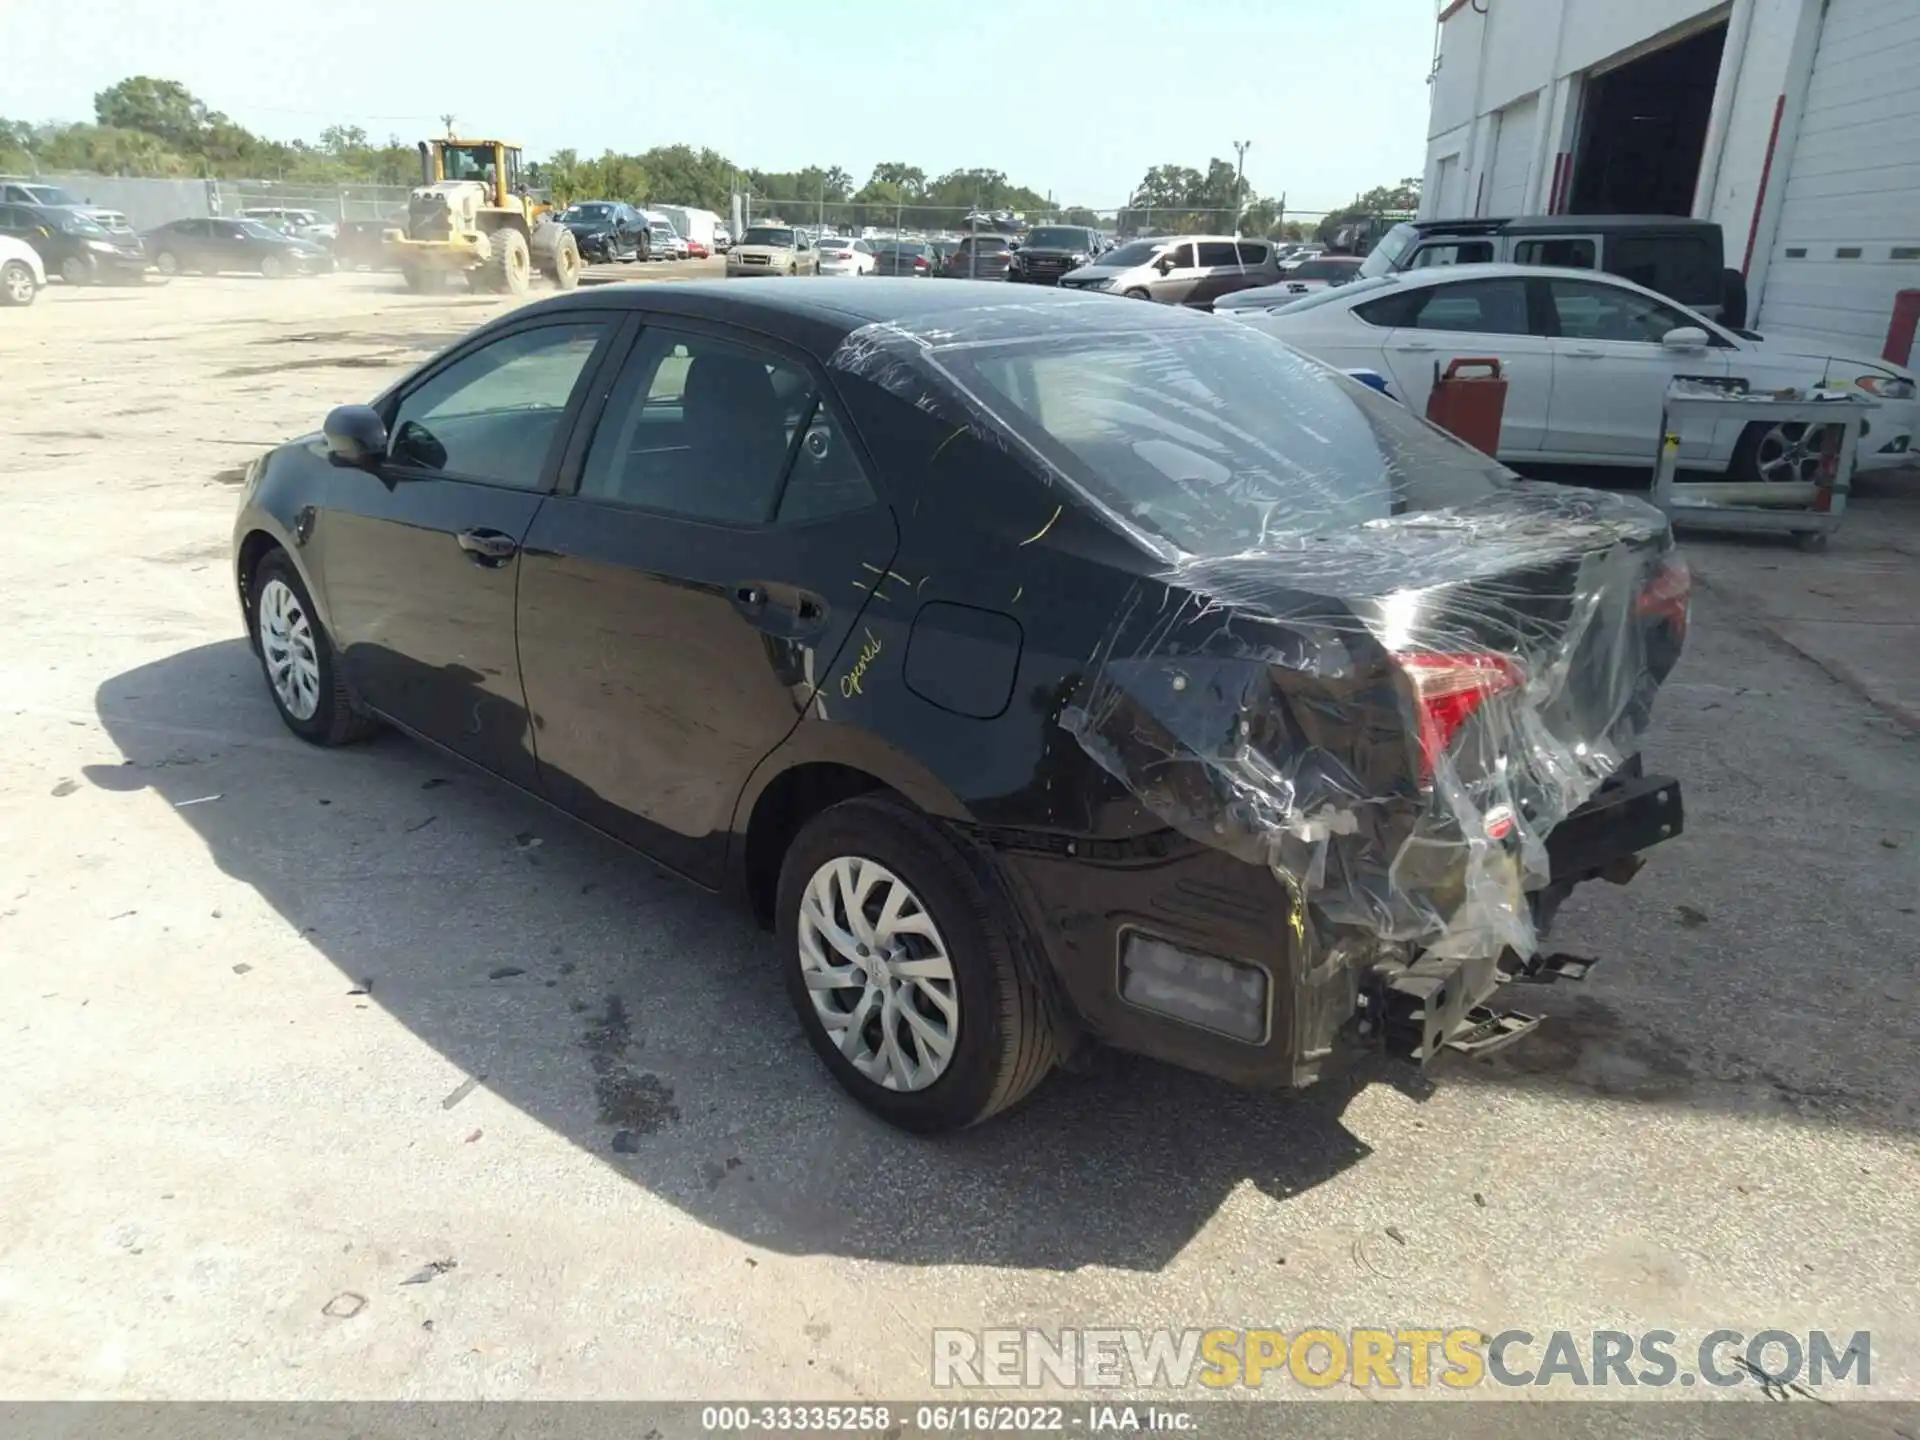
1049	251
1682	259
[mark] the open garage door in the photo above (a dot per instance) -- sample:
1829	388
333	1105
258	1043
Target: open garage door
1518	125
1849	231
1643	127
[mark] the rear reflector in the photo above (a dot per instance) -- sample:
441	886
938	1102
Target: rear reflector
1219	995
1668	594
1450	690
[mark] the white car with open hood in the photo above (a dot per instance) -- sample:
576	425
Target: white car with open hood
1587	359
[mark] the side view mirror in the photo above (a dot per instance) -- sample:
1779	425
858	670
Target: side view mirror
356	435
1685	337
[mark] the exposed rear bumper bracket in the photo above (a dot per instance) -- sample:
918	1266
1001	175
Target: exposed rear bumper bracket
1490	1030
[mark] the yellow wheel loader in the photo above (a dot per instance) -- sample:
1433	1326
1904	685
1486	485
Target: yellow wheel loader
472	216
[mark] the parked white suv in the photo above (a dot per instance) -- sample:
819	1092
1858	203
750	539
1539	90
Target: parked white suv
22	274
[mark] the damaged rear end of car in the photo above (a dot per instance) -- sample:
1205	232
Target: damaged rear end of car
1384	699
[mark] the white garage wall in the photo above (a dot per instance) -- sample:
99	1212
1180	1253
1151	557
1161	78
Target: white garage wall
1848	233
1513	155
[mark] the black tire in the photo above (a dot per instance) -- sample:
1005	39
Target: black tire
563	268
77	270
17	285
509	268
167	263
334	720
1136	294
273	267
1007	1041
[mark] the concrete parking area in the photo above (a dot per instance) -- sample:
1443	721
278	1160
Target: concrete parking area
352	1074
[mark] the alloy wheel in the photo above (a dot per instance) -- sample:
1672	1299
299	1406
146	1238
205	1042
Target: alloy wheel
19	283
1788	453
287	646
878	972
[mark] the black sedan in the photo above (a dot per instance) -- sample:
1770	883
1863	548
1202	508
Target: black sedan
1041	674
74	246
211	247
608	230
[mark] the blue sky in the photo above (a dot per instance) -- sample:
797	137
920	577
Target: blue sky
1079	98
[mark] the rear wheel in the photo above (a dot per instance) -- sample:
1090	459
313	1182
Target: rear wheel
909	970
77	270
167	263
16	283
296	655
508	269
272	266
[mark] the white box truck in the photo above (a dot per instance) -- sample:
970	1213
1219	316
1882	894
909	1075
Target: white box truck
691	222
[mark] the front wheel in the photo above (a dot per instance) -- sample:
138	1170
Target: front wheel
77	270
1136	294
1781	453
909	970
297	657
16	283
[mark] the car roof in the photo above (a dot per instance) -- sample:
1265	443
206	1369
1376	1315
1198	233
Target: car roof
832	307
1441	274
1557	224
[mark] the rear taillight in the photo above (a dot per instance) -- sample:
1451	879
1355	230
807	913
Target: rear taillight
919	262
1667	595
1450	691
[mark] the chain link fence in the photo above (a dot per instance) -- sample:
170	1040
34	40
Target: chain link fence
1125	222
147	202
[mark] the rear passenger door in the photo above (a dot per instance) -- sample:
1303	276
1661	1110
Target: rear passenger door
1470	319
1220	271
711	553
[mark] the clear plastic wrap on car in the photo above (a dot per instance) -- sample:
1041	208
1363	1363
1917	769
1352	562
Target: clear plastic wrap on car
1372	661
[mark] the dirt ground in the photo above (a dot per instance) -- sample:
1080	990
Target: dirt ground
314	1061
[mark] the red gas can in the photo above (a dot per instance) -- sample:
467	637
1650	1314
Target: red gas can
1470	405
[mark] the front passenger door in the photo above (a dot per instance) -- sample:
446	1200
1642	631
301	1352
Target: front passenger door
1178	274
419	561
1611	371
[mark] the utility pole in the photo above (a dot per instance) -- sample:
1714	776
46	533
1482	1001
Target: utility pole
447	120
1239	171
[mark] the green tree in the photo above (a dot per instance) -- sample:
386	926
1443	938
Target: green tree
163	108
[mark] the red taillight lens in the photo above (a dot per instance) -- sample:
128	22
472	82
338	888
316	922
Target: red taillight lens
1450	690
1668	594
919	262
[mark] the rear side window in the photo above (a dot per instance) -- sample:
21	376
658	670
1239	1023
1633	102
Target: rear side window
1684	267
1254	253
1461	252
1573	253
1477	307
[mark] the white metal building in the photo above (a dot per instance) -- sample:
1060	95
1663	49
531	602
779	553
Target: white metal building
1793	123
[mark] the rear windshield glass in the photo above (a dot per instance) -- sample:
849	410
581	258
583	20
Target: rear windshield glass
1217	438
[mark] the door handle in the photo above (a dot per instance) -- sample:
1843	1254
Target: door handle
1414	345
1586	352
488	544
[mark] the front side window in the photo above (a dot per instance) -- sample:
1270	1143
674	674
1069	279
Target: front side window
707	429
1219	253
1134	252
1589	310
1180	257
491	415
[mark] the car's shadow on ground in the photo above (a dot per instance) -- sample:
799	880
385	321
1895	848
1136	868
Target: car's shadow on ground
645	1021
